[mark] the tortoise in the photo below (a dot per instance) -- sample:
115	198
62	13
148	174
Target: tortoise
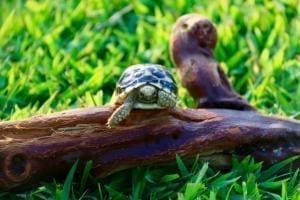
143	86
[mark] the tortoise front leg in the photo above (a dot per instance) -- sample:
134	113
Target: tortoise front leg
121	112
166	100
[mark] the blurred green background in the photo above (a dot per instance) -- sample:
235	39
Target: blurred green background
57	55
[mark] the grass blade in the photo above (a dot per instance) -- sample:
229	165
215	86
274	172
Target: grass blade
85	175
275	168
68	182
183	170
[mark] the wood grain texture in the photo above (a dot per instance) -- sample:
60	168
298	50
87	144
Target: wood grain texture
51	143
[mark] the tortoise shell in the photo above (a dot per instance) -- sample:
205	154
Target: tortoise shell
142	74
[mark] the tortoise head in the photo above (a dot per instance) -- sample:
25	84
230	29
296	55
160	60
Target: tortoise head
147	94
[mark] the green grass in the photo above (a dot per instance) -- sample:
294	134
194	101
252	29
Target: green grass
57	55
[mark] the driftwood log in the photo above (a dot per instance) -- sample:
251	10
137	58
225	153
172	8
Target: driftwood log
46	146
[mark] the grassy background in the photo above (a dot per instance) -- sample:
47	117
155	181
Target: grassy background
56	55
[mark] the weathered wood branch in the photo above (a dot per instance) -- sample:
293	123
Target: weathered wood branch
47	145
192	42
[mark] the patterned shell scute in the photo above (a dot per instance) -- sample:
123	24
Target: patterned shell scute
141	74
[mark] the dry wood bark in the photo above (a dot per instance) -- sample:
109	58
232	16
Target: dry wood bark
46	146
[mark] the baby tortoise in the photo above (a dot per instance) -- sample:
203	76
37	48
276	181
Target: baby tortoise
143	86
